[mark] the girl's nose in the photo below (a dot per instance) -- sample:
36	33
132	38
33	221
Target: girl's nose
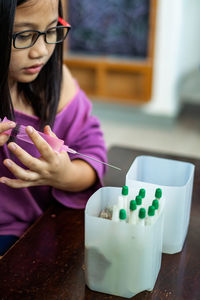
40	48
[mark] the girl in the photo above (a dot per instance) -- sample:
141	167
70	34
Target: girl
37	91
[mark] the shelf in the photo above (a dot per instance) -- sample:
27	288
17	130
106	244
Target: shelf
114	80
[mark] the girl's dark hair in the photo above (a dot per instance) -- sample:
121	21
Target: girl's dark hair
44	92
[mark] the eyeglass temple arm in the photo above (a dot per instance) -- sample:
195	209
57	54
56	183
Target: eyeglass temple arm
63	22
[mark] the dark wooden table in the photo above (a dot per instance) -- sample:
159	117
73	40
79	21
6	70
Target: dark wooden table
48	261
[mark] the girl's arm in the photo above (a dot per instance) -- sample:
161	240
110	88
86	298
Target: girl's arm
51	168
56	169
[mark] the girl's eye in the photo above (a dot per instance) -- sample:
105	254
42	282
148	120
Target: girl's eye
24	37
51	32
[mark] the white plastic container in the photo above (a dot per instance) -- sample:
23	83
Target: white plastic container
175	178
121	259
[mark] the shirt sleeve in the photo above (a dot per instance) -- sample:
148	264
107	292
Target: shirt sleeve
83	134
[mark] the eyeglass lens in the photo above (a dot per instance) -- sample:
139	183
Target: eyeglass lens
52	36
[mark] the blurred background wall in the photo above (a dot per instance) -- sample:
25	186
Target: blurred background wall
145	92
177	54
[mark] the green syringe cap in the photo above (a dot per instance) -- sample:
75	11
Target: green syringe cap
142	213
122	214
158	193
142	193
151	211
138	200
133	205
155	203
125	190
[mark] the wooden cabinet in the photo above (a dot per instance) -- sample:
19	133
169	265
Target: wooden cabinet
115	79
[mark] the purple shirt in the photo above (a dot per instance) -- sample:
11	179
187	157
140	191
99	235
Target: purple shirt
19	208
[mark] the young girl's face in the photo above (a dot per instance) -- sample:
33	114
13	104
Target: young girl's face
25	64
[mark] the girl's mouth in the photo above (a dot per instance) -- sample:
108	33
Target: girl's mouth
34	69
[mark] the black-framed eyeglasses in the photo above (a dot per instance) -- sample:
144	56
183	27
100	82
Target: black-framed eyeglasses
54	35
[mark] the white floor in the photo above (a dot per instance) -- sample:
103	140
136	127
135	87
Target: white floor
180	136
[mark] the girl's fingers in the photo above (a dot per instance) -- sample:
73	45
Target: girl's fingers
20	173
43	147
17	183
6	126
3	139
25	158
47	130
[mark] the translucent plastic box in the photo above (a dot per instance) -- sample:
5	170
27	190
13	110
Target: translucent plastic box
121	259
175	178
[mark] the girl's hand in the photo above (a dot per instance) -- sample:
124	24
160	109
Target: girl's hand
51	168
4	126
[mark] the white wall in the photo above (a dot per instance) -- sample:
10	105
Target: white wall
177	51
190	39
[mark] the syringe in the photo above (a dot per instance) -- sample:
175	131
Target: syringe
56	143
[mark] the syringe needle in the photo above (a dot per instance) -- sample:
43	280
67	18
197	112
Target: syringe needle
102	162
